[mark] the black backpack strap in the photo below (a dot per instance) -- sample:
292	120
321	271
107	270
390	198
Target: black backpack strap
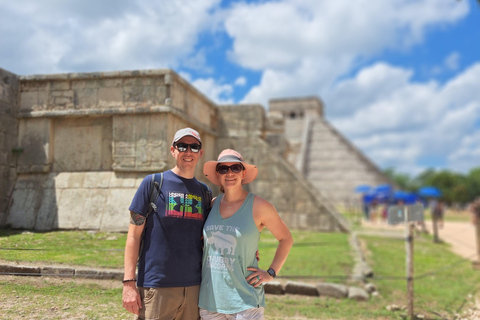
155	187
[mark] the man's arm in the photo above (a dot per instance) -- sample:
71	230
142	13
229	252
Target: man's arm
131	297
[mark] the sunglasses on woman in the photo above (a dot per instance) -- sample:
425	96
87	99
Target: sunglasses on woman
236	168
182	147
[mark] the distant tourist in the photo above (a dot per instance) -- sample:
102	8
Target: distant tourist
438	212
374	208
366	207
474	208
437	208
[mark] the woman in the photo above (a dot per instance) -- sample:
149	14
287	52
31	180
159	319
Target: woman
232	283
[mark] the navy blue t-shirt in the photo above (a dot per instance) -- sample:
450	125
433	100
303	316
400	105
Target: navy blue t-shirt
172	252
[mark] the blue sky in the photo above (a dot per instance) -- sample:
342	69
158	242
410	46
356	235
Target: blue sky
399	78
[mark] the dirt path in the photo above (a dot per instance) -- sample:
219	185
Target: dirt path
460	235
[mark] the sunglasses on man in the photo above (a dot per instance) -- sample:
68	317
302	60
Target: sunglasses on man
182	147
236	168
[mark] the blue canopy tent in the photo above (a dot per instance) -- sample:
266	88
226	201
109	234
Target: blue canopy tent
368	198
429	192
384	188
383	193
406	197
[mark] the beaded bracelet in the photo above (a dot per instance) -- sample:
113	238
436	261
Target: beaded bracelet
129	280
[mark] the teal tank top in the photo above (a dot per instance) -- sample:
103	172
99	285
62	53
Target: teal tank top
230	247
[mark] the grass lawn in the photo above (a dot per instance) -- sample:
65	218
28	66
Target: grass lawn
60	298
104	250
321	257
443	285
442	280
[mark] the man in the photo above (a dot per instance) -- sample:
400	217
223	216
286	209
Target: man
169	266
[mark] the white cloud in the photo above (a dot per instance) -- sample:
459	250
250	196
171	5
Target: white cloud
396	121
312	42
371	84
241	81
311	75
300	47
467	155
382	98
103	35
219	93
452	62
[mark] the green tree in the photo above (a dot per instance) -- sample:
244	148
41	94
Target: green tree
425	178
402	180
473	184
453	185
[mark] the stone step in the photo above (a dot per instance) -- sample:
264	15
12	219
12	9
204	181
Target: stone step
330	175
60	271
341	163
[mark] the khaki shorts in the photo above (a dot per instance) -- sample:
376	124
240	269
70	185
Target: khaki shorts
249	314
180	303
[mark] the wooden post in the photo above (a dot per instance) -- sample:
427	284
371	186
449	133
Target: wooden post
409	246
409	231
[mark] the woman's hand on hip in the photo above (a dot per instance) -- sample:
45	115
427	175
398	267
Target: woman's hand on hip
258	276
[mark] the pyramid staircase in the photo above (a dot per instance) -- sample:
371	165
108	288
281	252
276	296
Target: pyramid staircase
335	166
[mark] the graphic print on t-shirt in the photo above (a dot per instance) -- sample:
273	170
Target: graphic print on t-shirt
224	246
184	205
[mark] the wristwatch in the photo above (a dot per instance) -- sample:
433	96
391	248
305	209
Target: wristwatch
271	272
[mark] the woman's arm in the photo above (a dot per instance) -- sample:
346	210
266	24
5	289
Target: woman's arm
266	216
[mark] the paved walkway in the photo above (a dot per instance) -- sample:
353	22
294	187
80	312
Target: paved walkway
460	235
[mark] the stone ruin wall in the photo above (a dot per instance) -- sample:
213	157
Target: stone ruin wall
88	140
301	206
297	115
336	167
9	88
85	142
322	154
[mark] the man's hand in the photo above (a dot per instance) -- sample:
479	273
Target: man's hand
131	298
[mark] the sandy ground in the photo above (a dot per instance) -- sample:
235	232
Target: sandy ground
460	235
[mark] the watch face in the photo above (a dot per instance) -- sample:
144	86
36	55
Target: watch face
271	272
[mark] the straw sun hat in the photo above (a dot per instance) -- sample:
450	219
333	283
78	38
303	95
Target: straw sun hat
229	155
